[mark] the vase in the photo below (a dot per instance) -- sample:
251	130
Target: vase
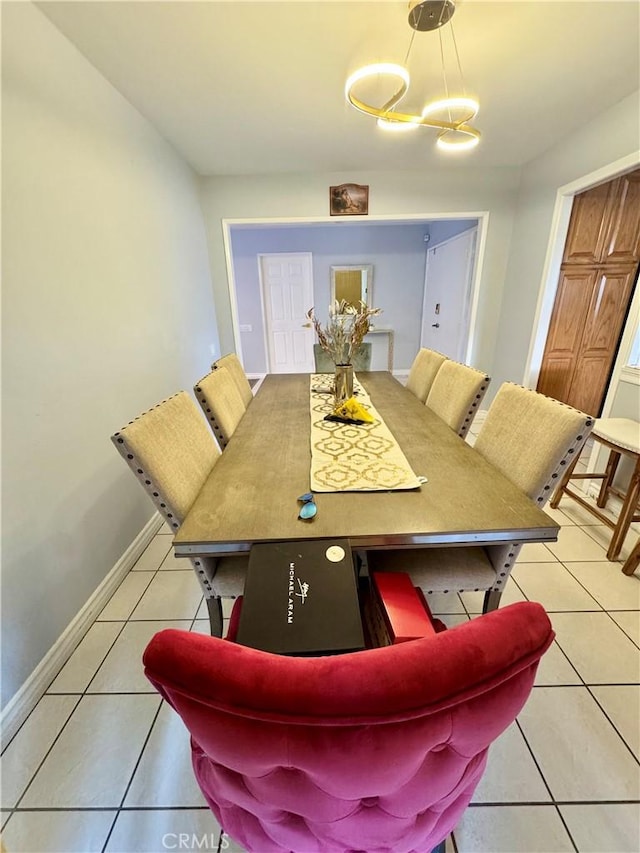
343	383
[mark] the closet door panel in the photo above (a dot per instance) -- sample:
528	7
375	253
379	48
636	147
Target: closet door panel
588	227
605	320
565	332
623	236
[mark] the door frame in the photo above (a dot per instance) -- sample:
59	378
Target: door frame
228	225
469	287
265	325
551	277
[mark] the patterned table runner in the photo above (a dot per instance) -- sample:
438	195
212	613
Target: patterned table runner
349	457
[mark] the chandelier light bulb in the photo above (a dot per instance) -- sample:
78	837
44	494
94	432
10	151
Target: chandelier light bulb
448	105
389	69
397	126
458	139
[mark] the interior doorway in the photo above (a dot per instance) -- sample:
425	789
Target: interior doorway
394	246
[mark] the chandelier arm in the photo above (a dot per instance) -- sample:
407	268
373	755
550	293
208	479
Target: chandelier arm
393	100
407	118
377	111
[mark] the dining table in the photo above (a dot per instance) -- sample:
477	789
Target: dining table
252	492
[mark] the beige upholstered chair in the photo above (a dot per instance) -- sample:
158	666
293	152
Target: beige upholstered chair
171	452
456	394
530	439
218	394
232	363
423	371
361	359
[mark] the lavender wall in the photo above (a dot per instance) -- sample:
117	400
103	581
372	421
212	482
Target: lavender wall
397	252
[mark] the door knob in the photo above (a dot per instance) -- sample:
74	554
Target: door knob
435	325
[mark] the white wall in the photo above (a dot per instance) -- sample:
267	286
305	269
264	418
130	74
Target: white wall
107	309
614	134
456	189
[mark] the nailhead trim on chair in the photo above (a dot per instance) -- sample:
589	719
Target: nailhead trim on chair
163	507
472	411
220	436
544	493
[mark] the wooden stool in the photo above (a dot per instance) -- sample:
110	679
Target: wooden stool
633	560
620	435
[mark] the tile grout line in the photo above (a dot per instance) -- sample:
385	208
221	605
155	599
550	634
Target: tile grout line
552	803
133	773
47	753
75	707
535	761
121	807
489	804
97	809
613	725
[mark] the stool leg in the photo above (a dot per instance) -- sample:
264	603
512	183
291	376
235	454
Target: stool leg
612	467
626	514
633	560
555	500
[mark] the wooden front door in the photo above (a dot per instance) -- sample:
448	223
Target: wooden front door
447	295
599	269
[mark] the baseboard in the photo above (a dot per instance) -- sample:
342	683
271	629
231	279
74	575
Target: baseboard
24	701
256	380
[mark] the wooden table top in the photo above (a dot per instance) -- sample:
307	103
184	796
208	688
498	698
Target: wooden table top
251	494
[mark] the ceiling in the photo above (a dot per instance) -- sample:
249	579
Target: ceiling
258	87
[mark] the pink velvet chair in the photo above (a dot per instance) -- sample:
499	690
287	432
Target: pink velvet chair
377	751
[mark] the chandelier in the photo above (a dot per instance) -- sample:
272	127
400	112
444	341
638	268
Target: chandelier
450	115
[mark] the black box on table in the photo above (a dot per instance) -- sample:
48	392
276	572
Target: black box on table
301	598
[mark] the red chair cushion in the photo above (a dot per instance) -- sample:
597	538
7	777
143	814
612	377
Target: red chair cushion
377	751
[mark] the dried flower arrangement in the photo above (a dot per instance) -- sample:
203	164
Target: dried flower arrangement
345	330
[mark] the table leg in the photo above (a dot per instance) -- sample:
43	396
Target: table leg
214	606
491	600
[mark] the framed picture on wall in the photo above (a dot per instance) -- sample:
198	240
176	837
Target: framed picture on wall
348	199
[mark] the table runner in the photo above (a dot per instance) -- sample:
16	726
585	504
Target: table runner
349	457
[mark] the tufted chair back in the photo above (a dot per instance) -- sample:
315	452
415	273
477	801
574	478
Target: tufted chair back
221	402
456	394
423	372
171	452
377	751
231	362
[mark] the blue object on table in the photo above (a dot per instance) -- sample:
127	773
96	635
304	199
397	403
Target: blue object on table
308	509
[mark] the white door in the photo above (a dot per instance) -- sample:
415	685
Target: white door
447	291
287	294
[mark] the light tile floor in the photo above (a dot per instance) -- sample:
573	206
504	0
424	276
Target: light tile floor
103	765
